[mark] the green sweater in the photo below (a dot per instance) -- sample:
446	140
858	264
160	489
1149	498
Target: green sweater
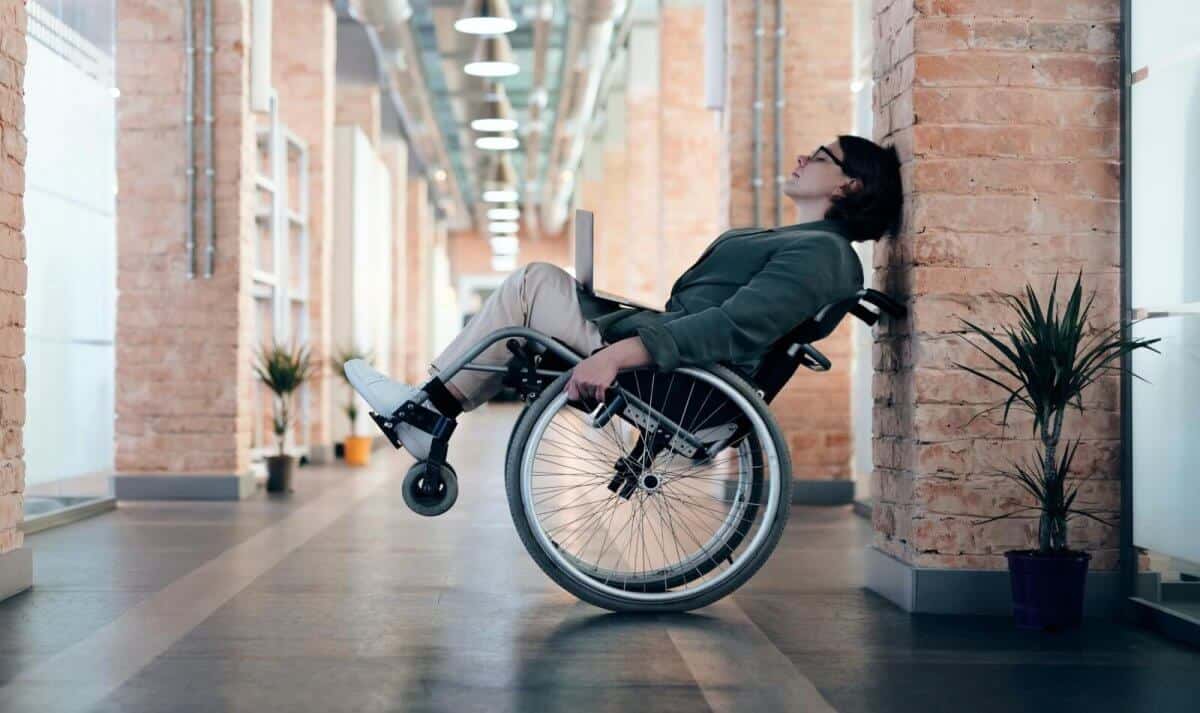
749	288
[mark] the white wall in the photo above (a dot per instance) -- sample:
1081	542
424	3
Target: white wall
362	260
71	258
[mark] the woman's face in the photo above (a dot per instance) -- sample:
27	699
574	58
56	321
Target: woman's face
816	175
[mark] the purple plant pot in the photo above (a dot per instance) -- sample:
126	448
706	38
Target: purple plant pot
1047	590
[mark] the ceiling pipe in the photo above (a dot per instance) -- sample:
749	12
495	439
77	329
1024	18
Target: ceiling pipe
535	129
607	27
393	16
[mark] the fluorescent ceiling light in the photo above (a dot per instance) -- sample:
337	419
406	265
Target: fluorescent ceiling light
486	17
503	214
504	228
494	124
493	58
499	196
504	263
504	245
497	143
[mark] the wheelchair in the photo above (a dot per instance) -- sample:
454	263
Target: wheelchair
664	497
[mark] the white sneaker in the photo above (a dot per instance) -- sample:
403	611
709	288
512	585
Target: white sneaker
384	396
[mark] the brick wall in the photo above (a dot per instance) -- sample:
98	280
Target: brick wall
814	409
179	340
419	239
395	157
303	73
358	104
1006	116
12	271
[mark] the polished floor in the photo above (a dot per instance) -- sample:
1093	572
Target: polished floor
339	599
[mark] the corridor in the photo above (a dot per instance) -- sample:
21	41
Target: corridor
341	599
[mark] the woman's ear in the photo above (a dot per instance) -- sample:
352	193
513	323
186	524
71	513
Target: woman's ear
854	185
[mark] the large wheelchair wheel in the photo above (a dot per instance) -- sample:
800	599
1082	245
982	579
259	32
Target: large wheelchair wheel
624	518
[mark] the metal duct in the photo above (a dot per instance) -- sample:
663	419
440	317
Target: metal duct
596	24
779	104
757	109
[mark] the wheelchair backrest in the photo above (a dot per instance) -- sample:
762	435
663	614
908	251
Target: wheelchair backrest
794	349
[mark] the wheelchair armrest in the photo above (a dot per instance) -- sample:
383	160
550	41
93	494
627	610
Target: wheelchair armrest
879	300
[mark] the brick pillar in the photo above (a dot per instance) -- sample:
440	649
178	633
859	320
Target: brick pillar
1006	117
395	157
358	104
419	240
16	562
814	409
689	164
643	256
184	346
304	76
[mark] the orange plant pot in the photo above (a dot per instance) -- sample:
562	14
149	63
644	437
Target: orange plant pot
358	450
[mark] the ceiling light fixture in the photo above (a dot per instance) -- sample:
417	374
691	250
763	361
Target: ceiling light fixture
497	112
493	58
504	263
505	228
504	245
497	143
505	213
505	195
486	17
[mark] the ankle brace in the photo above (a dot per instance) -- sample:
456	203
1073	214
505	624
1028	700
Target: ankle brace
441	398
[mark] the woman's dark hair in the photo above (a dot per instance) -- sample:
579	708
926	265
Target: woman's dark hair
876	208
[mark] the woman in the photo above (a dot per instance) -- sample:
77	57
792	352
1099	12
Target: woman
749	288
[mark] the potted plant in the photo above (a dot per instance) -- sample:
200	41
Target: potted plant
283	370
357	449
1043	364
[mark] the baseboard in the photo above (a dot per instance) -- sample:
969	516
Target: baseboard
164	486
16	572
922	590
864	508
822	492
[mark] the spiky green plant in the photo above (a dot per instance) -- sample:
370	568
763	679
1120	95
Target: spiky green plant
350	408
283	370
1045	361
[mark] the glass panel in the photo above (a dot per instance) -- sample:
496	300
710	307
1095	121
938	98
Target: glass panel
1166	180
1162	29
1166	494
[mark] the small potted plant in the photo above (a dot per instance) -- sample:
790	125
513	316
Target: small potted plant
1043	364
357	449
283	370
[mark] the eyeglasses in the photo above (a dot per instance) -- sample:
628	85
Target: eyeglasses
815	156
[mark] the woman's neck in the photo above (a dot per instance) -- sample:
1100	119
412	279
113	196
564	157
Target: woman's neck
810	209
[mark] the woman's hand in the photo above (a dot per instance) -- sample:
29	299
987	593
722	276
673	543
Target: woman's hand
591	377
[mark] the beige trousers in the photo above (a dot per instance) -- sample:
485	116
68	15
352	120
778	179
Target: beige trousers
540	296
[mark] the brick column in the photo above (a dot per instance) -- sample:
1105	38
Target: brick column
304	76
16	561
184	346
419	240
814	409
689	137
395	157
643	257
358	104
1006	117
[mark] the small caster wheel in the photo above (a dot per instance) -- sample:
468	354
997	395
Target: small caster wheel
430	490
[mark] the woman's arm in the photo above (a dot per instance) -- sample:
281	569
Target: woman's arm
592	376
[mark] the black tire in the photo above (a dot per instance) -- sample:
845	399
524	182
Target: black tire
513	478
430	493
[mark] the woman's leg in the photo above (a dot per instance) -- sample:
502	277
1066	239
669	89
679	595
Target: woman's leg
540	296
